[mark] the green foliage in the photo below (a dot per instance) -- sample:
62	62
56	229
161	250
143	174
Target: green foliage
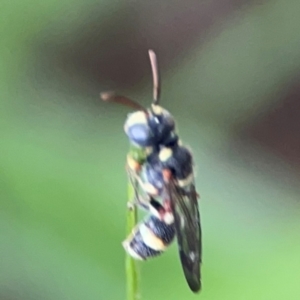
62	178
138	154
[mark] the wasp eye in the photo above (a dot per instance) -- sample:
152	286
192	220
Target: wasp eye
138	117
140	135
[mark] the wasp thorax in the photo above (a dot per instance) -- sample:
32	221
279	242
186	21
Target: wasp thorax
179	160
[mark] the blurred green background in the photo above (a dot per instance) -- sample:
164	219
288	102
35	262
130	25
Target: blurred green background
230	73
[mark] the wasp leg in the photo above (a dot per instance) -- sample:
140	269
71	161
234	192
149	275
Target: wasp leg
142	202
127	243
130	205
157	209
145	186
148	204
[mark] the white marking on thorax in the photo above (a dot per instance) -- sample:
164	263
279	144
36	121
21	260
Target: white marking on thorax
165	154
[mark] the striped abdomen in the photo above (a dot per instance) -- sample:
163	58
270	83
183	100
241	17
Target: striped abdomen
150	238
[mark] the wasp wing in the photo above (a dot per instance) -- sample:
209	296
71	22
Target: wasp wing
184	206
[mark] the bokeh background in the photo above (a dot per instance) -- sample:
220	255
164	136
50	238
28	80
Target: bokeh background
230	72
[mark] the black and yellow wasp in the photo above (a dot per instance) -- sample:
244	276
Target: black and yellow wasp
164	185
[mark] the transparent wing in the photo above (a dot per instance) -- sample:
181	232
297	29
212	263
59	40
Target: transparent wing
184	205
139	198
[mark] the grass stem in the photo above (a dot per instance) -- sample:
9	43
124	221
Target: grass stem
132	277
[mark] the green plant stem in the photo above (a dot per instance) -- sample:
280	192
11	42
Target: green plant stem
131	265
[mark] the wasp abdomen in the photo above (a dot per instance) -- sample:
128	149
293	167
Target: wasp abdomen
150	238
144	251
162	230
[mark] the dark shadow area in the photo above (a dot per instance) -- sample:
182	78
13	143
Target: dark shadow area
278	130
113	50
270	144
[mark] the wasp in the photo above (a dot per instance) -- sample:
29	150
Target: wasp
164	184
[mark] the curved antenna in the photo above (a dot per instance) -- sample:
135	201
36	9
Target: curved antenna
155	74
113	97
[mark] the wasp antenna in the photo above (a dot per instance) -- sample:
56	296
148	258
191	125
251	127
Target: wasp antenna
155	74
113	97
